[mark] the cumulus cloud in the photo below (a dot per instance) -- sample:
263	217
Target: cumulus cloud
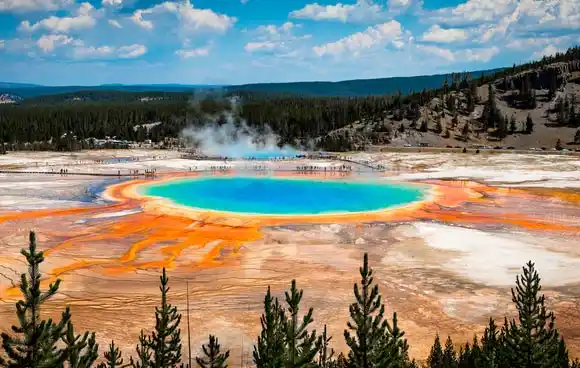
83	52
2	42
390	32
33	5
275	38
115	3
48	43
115	23
475	55
442	35
192	53
84	19
131	51
191	18
362	11
547	51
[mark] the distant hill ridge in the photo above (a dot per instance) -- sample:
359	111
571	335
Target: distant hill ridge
347	88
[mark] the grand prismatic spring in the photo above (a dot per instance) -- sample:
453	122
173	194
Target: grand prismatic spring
446	234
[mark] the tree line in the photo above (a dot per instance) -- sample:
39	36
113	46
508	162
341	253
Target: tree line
45	120
287	339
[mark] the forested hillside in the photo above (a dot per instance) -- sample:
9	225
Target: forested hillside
530	105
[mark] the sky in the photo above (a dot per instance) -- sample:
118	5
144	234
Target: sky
76	42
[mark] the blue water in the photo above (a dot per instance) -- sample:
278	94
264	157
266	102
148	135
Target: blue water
280	196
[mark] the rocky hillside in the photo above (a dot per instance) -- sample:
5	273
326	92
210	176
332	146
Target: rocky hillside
537	106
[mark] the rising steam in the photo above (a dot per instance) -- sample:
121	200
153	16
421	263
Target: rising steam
234	138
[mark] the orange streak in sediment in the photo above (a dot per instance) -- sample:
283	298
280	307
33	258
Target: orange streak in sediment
162	232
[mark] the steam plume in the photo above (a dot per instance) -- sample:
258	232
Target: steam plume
234	138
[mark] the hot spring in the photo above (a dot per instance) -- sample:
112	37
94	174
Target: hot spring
284	196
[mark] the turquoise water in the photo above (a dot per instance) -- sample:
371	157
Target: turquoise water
280	196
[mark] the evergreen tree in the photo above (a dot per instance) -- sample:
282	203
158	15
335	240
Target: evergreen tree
464	357
165	342
83	350
301	346
512	127
423	127
577	137
490	346
113	358
563	358
465	131
213	357
475	354
449	355
325	355
529	125
269	352
533	343
435	359
368	325
558	145
438	127
34	343
396	348
144	352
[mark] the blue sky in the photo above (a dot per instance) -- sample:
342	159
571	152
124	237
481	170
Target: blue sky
64	42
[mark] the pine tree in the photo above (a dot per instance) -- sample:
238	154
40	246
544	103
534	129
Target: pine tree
563	358
475	355
534	341
113	358
83	350
577	137
529	125
165	340
325	355
465	131
34	343
464	357
512	127
490	345
301	346
435	359
395	349
558	145
213	357
269	352
144	352
449	355
368	324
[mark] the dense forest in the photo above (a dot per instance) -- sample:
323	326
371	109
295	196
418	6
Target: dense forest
51	122
287	339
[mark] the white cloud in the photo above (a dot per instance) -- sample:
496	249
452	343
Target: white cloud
362	11
275	38
261	46
390	32
191	19
475	55
474	12
48	43
2	42
546	51
191	53
115	23
82	52
131	51
442	35
84	19
115	3
33	5
137	18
